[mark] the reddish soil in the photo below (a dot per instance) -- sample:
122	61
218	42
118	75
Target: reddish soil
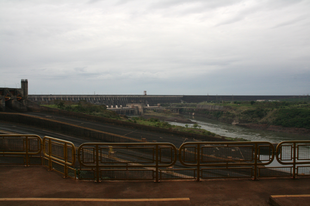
37	182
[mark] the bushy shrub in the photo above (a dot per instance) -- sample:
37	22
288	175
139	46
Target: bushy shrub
293	118
257	113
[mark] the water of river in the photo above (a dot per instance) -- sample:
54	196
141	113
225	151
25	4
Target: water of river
234	131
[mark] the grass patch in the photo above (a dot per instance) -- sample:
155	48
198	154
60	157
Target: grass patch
85	108
195	128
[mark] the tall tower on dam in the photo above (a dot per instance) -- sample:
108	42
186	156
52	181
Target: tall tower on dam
24	87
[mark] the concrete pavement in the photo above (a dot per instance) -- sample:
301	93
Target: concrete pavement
49	188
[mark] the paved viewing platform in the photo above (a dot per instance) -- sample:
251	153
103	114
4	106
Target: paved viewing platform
35	185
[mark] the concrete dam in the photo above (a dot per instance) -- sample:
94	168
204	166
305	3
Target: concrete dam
18	98
153	100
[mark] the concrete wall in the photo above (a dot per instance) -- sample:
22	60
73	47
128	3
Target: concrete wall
202	98
139	107
153	100
109	100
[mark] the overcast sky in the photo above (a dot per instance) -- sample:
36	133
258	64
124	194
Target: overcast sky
161	46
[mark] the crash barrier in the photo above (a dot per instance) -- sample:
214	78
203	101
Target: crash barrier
20	149
162	161
197	160
295	155
59	155
226	159
123	161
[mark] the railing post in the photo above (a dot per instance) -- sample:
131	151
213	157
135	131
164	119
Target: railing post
42	151
255	161
294	160
27	155
198	162
97	164
50	154
156	160
65	157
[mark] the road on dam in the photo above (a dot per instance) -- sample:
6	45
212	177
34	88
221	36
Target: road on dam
138	134
150	136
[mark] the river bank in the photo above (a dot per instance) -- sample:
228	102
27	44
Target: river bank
150	122
292	130
184	118
290	117
256	126
235	131
180	118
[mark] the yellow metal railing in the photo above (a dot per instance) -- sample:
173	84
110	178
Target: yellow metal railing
294	153
20	145
158	161
61	153
215	156
126	160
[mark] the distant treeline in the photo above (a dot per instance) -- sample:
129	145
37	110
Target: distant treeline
282	113
86	108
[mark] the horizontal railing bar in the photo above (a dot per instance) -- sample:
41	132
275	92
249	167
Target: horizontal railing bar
161	157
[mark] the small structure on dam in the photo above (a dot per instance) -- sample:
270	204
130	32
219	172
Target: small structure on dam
14	98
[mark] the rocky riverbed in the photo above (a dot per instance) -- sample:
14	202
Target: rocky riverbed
275	128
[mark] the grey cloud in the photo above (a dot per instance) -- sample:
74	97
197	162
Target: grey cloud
231	21
93	1
164	47
279	4
293	21
209	4
80	69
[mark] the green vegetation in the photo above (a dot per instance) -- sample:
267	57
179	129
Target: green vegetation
179	105
100	110
165	112
157	123
293	118
86	108
282	113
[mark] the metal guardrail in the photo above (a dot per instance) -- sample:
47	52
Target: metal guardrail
219	157
294	153
126	160
159	161
60	155
25	146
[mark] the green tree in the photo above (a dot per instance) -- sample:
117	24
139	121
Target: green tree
59	103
